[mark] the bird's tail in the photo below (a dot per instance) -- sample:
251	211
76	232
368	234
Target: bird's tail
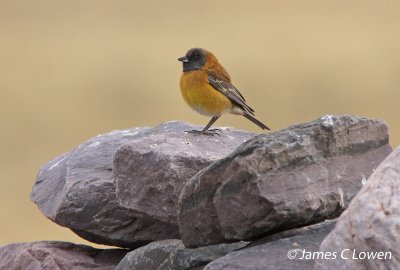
255	121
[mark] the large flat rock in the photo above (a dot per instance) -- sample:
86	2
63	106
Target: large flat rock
367	235
297	176
56	255
291	249
76	190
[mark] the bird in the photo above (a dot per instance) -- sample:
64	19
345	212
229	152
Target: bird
207	88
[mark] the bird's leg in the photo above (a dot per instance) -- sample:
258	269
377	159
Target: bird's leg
212	121
206	130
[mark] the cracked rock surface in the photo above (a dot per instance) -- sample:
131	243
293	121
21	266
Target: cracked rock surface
297	176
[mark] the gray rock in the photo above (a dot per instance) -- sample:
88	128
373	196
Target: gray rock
57	255
151	171
297	176
370	225
76	190
172	254
273	252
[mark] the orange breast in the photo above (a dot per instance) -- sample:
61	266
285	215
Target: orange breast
201	96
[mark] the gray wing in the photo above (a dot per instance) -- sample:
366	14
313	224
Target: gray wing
230	91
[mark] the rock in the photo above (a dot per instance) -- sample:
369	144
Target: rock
151	171
172	254
273	252
57	255
371	224
76	190
297	176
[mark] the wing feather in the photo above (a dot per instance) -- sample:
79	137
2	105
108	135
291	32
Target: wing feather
230	91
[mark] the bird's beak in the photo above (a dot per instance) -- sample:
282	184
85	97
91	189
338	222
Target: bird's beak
183	59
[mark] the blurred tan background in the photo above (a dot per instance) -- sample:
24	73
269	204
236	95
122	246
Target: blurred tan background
70	70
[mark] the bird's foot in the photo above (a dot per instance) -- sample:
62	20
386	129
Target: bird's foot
210	132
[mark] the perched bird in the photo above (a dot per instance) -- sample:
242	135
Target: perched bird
206	87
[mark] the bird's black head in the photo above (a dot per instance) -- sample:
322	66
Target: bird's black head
194	59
